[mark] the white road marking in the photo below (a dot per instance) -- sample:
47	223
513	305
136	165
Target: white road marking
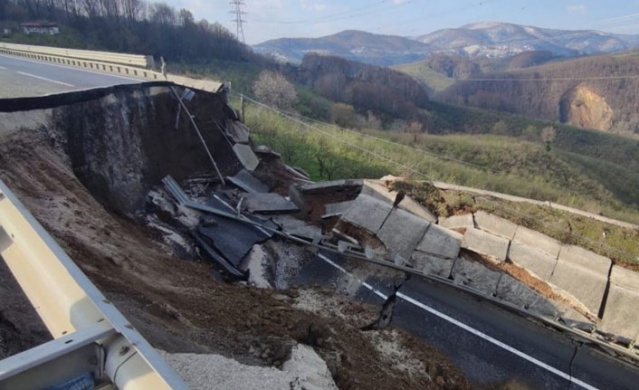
467	328
46	79
3	68
73	68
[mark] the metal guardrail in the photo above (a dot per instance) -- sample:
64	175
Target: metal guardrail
91	337
136	60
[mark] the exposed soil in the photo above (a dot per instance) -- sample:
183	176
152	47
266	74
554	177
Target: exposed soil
178	307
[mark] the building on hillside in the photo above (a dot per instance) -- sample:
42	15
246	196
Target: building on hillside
40	28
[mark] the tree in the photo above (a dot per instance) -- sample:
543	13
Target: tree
273	89
548	135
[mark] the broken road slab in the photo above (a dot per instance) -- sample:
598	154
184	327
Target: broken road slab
337	209
583	274
535	261
328	186
440	242
268	203
249	183
495	225
246	156
485	243
233	239
368	213
401	232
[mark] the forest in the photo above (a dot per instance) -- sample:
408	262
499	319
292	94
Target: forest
130	26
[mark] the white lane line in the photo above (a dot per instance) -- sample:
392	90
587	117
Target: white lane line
3	68
467	328
46	79
73	68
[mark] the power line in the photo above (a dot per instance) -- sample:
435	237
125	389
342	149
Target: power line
239	21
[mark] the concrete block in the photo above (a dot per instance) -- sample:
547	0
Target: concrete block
432	265
464	221
337	209
620	316
375	189
583	274
246	156
476	275
534	260
368	213
495	225
538	241
401	232
485	243
440	242
573	319
519	294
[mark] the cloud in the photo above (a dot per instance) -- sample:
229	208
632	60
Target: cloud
576	9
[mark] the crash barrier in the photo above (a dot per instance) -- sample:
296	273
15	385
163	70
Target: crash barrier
93	343
87	63
135	60
114	63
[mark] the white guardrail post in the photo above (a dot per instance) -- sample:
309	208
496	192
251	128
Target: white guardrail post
92	339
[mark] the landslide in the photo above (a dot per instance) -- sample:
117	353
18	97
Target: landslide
177	305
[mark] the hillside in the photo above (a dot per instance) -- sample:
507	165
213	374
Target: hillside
597	92
383	50
482	40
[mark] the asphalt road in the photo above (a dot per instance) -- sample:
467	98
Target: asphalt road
21	77
491	345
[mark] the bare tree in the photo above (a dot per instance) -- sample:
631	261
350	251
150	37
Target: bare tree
273	89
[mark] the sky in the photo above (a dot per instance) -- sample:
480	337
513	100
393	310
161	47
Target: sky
270	19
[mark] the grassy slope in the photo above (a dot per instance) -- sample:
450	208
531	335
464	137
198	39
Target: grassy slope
422	72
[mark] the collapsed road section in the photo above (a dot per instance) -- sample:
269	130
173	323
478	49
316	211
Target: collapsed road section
153	189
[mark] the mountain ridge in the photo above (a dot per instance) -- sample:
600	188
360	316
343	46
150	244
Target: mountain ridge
484	39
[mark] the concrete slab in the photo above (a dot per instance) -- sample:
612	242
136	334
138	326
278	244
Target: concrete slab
496	225
476	275
485	243
368	213
583	274
464	221
441	242
246	156
337	209
432	265
401	232
269	203
375	189
326	186
620	316
537	240
249	183
519	294
237	132
534	260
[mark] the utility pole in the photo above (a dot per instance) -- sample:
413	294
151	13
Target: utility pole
239	21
